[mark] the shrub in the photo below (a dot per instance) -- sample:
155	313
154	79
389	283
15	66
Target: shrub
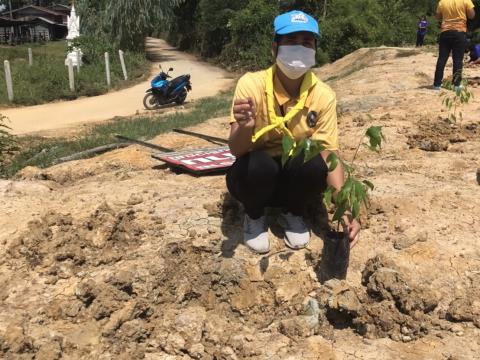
7	141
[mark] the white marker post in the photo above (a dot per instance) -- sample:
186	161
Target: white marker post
71	75
30	57
107	69
122	61
79	59
8	78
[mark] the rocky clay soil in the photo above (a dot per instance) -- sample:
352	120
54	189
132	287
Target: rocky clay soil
119	257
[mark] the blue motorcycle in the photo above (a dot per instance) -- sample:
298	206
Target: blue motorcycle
165	92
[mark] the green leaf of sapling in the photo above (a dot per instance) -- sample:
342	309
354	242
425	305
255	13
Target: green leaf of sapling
375	137
332	161
316	147
287	144
360	190
347	167
301	145
327	195
369	184
339	213
356	210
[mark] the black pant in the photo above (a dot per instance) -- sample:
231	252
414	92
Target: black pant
420	39
454	42
258	181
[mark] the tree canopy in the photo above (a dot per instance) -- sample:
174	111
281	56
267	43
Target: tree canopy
239	32
125	22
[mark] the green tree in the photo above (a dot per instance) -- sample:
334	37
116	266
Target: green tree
131	21
351	25
239	33
214	24
251	36
92	16
309	6
125	22
182	31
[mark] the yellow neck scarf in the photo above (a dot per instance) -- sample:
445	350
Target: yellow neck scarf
279	122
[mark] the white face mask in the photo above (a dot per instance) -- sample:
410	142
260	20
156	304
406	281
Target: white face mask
295	60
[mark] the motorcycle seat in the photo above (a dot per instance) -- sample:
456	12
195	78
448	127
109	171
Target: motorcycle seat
178	80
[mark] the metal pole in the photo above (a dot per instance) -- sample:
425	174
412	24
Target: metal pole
107	69
8	78
71	75
201	136
143	143
10	7
122	61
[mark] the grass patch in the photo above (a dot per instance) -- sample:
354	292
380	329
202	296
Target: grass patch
407	53
47	80
44	152
359	65
430	49
347	73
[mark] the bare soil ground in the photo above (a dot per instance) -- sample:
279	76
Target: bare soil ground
118	257
206	80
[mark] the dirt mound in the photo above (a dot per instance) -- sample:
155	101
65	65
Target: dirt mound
388	306
185	299
438	135
120	257
362	58
118	162
466	308
189	301
76	245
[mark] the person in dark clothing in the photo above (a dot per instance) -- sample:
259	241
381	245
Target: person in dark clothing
453	14
474	52
422	31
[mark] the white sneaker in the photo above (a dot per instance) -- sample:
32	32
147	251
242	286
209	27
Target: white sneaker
297	235
255	234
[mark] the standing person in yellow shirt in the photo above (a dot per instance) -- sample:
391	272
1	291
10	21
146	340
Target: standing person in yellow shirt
288	89
453	14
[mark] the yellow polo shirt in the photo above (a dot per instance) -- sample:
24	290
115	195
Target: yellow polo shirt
454	14
321	99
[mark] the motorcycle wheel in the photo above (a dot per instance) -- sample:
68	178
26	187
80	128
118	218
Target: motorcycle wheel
150	102
181	97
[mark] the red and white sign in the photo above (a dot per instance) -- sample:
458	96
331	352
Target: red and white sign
199	160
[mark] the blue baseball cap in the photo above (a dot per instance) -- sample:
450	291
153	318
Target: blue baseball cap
295	21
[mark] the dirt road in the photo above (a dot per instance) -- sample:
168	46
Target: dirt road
207	80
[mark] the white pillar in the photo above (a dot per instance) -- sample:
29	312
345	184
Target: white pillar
71	75
79	59
122	61
8	78
107	69
30	57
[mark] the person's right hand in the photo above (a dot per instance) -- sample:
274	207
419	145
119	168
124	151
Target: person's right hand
244	112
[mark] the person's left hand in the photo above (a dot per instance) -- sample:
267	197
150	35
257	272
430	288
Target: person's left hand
353	230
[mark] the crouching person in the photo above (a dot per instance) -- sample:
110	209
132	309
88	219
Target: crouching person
287	90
